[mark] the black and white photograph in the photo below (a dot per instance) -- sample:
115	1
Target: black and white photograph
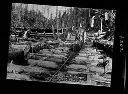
61	44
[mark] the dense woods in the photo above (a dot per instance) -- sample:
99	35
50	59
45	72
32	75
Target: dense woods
21	16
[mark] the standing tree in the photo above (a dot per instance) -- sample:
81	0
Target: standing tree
59	20
76	17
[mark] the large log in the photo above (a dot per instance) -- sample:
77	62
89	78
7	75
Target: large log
42	63
57	60
20	47
77	66
73	72
59	56
36	56
35	69
18	76
96	69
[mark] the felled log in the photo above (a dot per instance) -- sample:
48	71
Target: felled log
73	72
58	56
63	48
45	51
20	47
81	58
45	54
77	66
96	69
18	76
31	69
56	51
12	68
53	59
37	56
42	63
83	54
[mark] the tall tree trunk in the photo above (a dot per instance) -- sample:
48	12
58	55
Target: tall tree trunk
57	21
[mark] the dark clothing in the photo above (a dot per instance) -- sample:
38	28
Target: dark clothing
17	57
75	47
